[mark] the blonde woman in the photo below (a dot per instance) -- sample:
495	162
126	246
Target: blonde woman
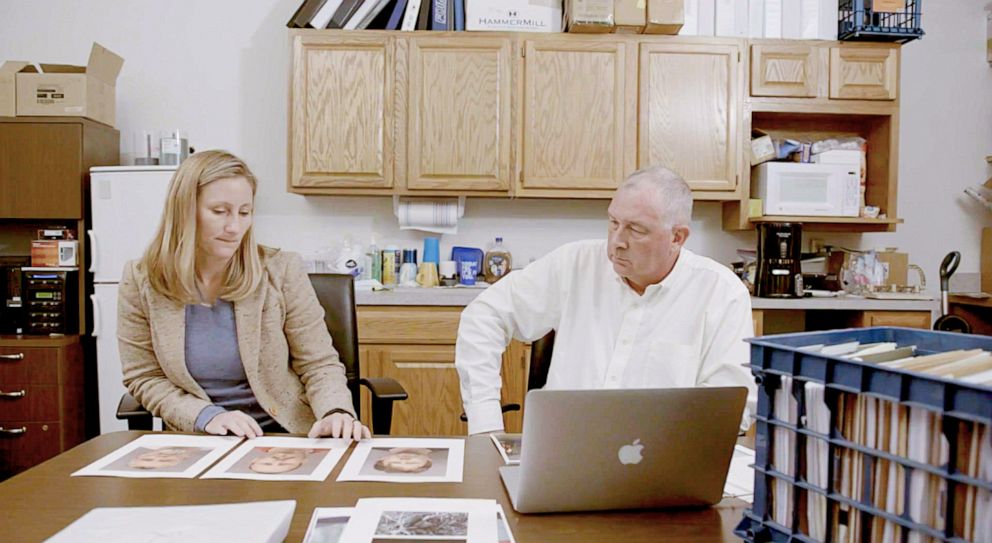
220	335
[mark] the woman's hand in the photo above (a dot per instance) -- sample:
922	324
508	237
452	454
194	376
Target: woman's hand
339	425
235	422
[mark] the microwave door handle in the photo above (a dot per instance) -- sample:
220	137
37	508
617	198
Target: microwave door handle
97	314
93	251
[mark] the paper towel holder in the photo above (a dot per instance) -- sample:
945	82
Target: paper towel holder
396	203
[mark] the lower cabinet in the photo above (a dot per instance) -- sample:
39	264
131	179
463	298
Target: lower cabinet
424	363
780	321
41	400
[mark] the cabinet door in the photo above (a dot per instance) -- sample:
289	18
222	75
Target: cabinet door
459	114
690	112
909	319
864	72
40	171
341	124
428	374
578	115
784	70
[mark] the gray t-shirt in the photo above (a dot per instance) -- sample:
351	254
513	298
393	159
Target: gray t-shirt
214	360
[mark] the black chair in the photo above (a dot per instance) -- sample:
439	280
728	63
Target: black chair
336	294
537	376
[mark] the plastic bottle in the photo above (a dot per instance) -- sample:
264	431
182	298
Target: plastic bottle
497	262
389	260
374	264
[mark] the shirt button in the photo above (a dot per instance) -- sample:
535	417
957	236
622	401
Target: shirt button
613	379
625	342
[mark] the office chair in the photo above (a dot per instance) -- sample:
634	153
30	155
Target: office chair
336	294
537	376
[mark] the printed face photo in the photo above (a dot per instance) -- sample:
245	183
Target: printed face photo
171	459
328	530
279	460
406	461
511	446
422	523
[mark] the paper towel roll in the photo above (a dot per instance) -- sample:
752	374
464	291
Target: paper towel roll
435	215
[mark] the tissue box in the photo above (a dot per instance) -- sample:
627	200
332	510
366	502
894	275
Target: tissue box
513	15
589	16
664	16
61	89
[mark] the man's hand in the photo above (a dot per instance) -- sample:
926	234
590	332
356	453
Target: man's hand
235	422
339	425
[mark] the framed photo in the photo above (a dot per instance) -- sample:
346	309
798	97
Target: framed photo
398	460
162	456
281	459
509	446
392	520
327	524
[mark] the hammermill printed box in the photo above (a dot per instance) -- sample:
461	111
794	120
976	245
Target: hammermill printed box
589	16
513	15
61	89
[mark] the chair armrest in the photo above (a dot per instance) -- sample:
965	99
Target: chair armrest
385	388
385	391
128	408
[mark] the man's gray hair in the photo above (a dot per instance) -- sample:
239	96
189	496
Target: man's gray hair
674	195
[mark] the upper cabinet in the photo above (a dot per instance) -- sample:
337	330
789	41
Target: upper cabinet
826	70
458	113
342	112
577	134
690	111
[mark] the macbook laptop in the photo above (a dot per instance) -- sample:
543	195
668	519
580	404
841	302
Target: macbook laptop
586	450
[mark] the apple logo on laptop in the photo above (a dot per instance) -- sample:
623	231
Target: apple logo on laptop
631	454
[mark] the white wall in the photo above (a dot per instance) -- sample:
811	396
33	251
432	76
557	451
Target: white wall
219	69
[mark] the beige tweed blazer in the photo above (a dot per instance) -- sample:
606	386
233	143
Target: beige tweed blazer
292	367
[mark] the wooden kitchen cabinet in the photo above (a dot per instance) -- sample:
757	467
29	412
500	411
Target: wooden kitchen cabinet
824	70
416	346
458	114
41	400
690	111
859	72
791	70
908	319
342	112
578	124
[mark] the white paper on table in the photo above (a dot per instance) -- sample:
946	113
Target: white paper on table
406	460
503	532
252	522
162	455
422	518
740	476
295	459
327	524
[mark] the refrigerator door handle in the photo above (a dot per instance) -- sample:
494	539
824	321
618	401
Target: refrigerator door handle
93	251
97	316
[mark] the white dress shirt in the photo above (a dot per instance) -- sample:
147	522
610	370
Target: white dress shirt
685	331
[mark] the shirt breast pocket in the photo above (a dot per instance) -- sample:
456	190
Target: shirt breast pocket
671	364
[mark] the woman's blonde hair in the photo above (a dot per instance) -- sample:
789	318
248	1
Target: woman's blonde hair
170	260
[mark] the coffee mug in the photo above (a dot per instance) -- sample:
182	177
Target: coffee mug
427	275
447	268
469	268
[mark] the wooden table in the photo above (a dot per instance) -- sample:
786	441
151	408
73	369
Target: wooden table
41	501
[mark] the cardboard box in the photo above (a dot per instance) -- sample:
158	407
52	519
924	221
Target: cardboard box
513	15
629	16
62	89
589	16
664	16
54	253
762	147
898	267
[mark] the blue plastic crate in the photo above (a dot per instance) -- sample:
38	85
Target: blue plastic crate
776	357
857	21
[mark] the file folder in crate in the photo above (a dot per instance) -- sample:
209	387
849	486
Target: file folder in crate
854	451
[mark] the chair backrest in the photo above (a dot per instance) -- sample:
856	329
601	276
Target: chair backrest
336	294
540	361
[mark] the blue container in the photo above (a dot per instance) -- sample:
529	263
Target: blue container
778	356
857	21
431	250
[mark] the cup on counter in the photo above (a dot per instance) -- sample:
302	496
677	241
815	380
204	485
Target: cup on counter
447	269
468	271
431	250
427	275
408	274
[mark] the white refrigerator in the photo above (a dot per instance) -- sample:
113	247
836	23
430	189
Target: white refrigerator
126	204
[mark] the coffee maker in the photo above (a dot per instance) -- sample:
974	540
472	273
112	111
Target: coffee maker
779	253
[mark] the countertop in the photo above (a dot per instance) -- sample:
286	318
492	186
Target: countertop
461	296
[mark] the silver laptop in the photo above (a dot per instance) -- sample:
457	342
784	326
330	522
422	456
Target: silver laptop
586	450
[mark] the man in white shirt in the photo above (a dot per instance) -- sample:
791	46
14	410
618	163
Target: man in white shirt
635	311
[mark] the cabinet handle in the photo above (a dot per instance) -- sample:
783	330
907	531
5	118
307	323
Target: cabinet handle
18	356
19	394
13	431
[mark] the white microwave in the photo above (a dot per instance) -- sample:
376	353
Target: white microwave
793	188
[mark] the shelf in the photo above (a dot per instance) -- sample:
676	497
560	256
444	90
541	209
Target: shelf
958	299
829	220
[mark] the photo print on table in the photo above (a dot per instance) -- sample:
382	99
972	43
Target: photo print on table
394	520
509	446
161	455
281	459
406	460
327	524
423	523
